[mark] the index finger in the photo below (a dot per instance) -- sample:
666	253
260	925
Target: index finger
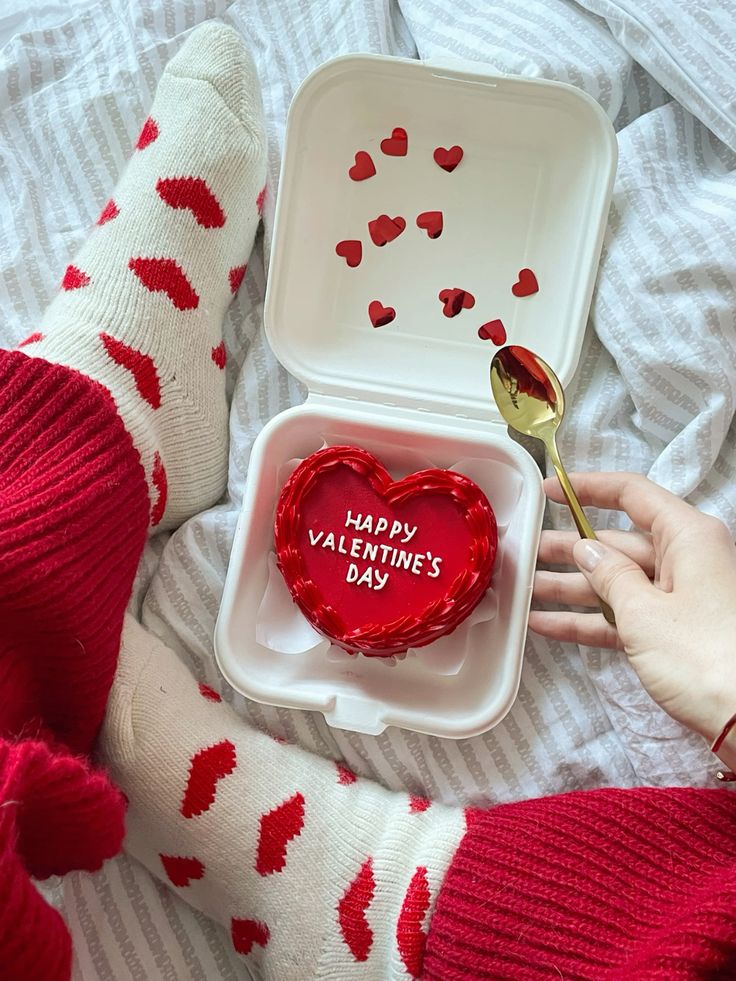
636	495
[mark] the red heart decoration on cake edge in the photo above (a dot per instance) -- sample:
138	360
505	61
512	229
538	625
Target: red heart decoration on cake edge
397	144
454	300
363	168
440	508
448	159
526	284
494	331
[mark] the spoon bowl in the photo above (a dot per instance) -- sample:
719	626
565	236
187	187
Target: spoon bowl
530	398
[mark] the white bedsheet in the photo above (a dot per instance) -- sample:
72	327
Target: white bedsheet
654	392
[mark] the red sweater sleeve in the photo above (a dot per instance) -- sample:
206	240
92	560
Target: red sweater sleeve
600	885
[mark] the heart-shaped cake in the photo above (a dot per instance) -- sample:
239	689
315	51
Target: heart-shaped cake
377	565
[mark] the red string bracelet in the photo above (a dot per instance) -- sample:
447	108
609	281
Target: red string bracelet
727	776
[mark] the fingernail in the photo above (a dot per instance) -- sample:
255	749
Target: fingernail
588	553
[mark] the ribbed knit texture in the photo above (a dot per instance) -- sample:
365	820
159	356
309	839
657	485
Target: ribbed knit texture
605	885
141	305
56	814
73	518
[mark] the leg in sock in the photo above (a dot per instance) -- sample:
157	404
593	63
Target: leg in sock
113	420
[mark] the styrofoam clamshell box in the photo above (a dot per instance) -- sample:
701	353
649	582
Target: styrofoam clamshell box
532	190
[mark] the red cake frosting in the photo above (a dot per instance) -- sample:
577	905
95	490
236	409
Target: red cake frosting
377	565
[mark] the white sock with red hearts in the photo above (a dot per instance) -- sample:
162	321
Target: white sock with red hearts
141	306
317	874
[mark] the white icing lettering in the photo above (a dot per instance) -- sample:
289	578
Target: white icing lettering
409	534
355	548
435	566
329	541
404	560
416	566
381	525
341	546
370	551
385	549
367	524
380	581
396	529
315	539
350	520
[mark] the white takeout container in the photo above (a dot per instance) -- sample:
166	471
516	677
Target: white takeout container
532	190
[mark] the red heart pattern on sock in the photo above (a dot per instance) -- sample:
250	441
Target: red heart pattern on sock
140	366
32	339
345	775
410	937
219	355
181	871
351	250
431	222
276	830
526	284
494	331
161	484
209	693
109	212
235	277
193	194
448	159
363	168
207	767
166	276
246	933
417	805
74	279
397	144
351	909
454	300
147	135
379	314
384	229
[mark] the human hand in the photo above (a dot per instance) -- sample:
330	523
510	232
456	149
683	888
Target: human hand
672	587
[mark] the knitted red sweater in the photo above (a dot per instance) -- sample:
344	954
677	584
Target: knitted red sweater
597	885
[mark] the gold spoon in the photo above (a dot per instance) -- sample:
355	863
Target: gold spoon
530	398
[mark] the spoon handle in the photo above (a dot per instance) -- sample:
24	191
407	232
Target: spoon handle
578	515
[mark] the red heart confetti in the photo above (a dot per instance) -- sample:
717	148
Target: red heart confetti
354	926
277	829
147	135
245	933
260	199
192	194
448	159
140	366
431	222
74	279
384	229
410	938
32	339
397	144
418	804
161	483
494	331
379	314
526	283
351	250
219	355
378	565
166	276
181	871
363	168
455	300
207	767
345	775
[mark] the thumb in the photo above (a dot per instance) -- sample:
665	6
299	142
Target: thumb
614	576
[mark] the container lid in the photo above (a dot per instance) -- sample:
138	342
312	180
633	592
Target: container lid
531	191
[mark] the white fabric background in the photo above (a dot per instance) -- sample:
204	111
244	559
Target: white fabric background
654	392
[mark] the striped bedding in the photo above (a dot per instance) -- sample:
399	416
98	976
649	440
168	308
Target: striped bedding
654	393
